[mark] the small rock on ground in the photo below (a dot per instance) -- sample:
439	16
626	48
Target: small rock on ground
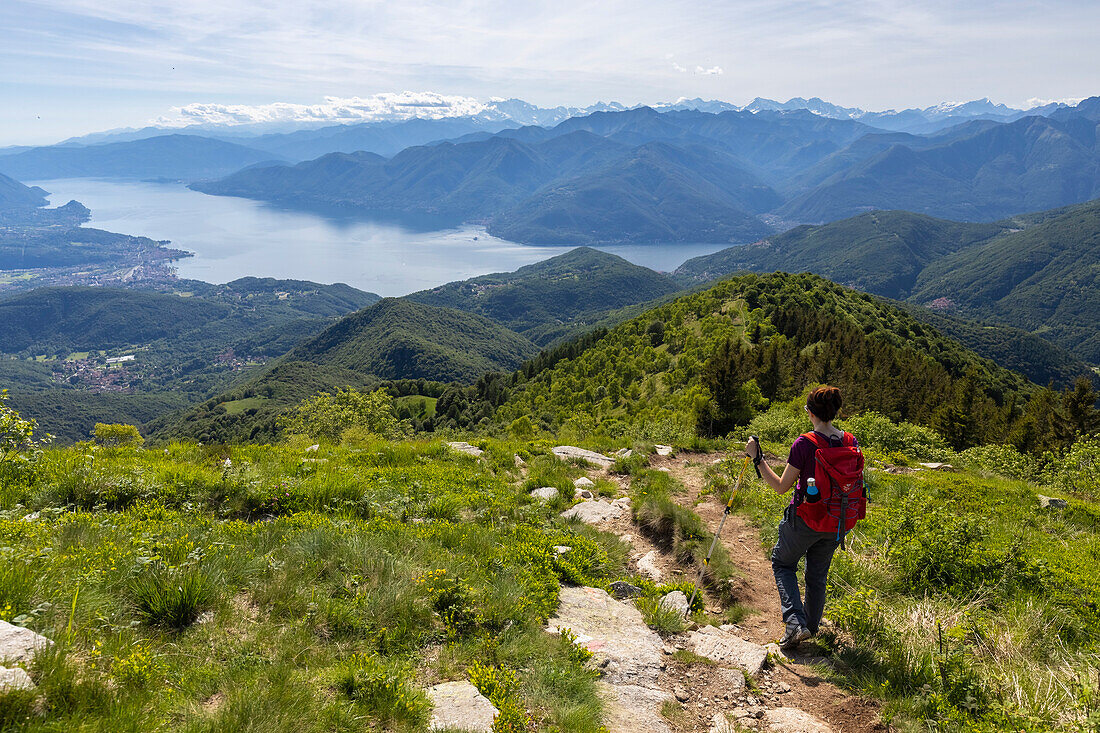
793	720
1050	502
621	589
462	447
594	512
567	452
647	566
663	450
726	648
584	483
18	644
582	494
546	493
14	679
460	705
937	466
676	601
721	724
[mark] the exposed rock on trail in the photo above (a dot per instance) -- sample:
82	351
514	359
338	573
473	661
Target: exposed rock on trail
726	648
568	452
460	705
470	450
627	650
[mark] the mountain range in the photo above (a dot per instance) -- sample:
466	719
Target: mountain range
688	176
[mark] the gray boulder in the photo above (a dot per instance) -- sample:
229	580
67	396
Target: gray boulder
726	648
621	589
460	705
1050	502
546	493
14	679
793	720
594	512
676	601
18	644
462	447
571	452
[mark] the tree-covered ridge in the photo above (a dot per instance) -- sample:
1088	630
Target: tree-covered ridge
1036	272
882	252
400	339
1044	279
543	300
709	360
1033	356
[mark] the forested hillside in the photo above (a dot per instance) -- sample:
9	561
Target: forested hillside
709	361
1044	279
1035	272
882	252
554	297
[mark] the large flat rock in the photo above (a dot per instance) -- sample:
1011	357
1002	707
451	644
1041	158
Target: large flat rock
613	631
728	649
464	447
460	705
18	644
793	720
568	452
595	512
634	709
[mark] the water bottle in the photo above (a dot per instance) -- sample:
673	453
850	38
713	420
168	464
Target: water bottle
812	494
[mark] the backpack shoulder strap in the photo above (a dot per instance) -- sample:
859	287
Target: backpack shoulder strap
815	439
849	440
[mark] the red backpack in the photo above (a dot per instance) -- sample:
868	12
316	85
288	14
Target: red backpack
838	471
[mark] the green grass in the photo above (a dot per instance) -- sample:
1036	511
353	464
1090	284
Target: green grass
236	407
285	595
961	603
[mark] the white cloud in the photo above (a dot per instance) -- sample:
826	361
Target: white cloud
712	71
1039	102
386	106
679	68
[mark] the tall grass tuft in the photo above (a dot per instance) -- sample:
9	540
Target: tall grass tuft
172	598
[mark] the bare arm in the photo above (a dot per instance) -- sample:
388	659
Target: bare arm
781	484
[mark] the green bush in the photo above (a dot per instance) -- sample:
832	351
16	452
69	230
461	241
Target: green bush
782	423
1079	471
1003	460
878	432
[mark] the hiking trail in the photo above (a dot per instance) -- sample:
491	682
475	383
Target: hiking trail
644	675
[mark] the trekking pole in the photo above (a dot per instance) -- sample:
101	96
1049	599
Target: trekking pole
726	513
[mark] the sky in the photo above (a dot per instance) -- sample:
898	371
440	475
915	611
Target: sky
69	67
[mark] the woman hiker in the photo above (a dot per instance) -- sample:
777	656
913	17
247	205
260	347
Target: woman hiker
796	538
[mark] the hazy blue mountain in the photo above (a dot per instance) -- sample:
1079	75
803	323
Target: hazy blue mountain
167	156
979	172
659	193
575	186
15	195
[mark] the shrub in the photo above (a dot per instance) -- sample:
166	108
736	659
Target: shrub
778	425
172	598
501	686
1003	460
116	434
1079	471
328	415
19	448
876	431
137	669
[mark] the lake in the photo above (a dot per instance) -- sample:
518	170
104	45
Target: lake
233	237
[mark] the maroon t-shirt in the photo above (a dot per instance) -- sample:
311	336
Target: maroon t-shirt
802	458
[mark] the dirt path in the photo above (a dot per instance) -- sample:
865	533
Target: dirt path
844	712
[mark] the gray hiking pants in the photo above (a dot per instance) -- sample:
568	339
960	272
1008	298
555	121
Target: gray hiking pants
796	541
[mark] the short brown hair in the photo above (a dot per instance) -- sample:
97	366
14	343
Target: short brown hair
824	402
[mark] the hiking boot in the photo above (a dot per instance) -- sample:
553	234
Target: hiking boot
795	635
